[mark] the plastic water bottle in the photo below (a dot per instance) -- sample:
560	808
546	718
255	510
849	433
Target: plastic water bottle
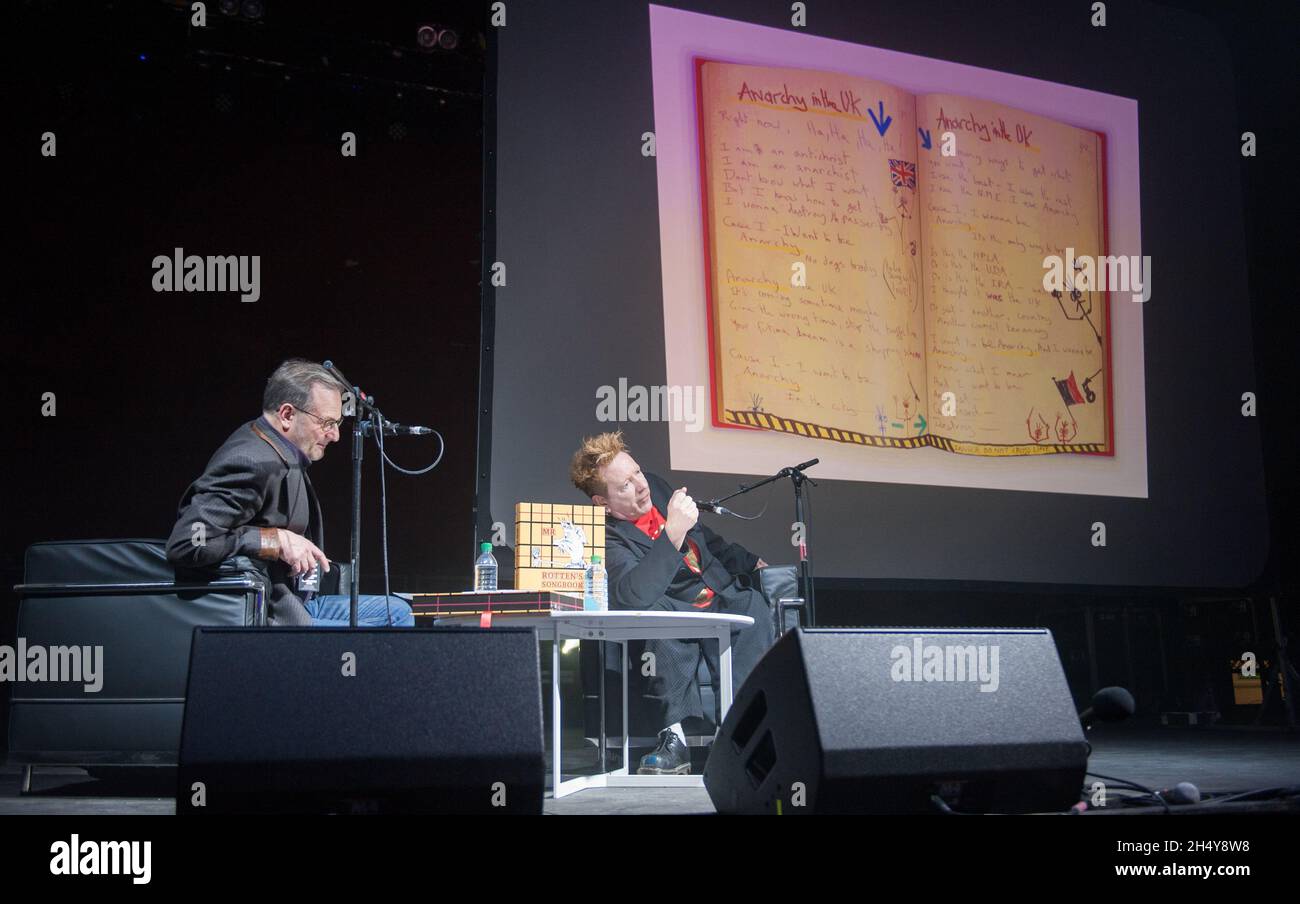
595	591
485	569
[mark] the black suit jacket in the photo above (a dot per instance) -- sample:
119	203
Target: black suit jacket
652	574
250	482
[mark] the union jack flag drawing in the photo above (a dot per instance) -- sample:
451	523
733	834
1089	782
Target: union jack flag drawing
903	173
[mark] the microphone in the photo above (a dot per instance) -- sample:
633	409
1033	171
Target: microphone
1181	793
800	468
345	386
392	429
714	507
1110	704
338	375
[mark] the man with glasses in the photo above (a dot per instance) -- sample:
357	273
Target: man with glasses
255	499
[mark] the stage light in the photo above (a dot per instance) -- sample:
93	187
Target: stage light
229	7
253	9
435	37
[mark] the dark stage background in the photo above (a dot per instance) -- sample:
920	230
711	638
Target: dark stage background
371	261
374	261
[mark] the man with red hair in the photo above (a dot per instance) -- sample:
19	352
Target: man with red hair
659	557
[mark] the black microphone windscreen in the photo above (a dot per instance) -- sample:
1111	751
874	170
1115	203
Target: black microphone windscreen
1111	704
1181	793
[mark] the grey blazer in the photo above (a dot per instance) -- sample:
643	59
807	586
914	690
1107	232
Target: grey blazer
250	483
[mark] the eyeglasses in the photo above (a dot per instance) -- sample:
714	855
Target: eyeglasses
326	425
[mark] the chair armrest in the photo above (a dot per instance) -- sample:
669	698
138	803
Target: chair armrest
777	581
218	585
244	583
780	582
90	569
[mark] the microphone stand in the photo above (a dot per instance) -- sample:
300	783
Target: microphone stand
360	428
368	420
797	477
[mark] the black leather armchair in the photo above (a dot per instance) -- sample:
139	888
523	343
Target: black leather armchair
125	598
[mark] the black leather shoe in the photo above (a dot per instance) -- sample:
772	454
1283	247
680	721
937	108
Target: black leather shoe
671	757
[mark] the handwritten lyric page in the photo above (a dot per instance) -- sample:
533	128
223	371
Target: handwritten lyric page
865	287
814	253
1026	369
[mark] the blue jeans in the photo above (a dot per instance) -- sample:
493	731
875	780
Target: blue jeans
332	611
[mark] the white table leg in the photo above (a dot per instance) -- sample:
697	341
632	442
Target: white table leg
627	766
555	713
724	660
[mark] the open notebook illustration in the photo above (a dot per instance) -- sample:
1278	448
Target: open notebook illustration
864	287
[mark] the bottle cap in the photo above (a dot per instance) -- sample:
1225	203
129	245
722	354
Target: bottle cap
595	560
485	547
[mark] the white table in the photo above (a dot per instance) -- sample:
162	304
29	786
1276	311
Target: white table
621	626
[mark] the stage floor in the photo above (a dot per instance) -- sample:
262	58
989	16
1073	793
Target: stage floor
1215	759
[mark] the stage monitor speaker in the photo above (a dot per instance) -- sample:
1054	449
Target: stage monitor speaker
374	720
901	721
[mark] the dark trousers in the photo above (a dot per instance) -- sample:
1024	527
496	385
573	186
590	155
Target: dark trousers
674	684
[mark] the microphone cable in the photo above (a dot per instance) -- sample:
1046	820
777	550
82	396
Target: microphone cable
442	447
761	512
377	423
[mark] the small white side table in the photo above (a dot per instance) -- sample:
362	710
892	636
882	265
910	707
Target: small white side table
620	626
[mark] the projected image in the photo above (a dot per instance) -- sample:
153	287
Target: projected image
874	266
915	270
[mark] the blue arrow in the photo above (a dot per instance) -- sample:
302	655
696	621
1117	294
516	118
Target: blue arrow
920	422
882	124
925	138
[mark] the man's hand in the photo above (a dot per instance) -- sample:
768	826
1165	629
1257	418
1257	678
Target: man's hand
681	517
761	564
299	553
